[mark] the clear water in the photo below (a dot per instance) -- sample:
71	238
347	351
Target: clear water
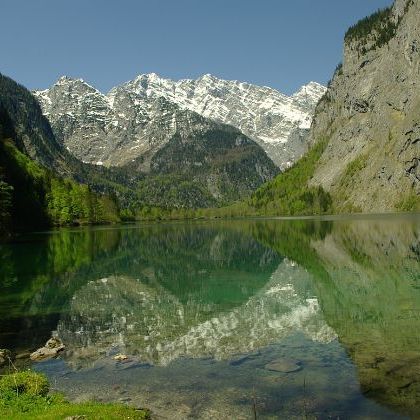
202	309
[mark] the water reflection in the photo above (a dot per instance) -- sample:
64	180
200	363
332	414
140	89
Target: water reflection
158	327
367	279
166	293
371	297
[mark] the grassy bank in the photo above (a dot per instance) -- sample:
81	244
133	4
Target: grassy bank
25	395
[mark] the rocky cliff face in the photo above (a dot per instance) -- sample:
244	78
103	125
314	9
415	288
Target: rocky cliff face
138	117
108	131
371	116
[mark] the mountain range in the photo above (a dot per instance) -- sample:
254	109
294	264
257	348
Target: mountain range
137	118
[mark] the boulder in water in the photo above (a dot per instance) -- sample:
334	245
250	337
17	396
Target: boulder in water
120	357
51	349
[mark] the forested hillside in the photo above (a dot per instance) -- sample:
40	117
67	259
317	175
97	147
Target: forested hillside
32	196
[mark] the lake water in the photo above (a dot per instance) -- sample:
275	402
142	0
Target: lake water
227	320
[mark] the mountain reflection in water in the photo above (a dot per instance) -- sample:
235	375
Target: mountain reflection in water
225	290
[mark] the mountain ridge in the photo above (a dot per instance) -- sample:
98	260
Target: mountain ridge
277	122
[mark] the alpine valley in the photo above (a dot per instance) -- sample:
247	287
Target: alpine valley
153	146
300	302
162	148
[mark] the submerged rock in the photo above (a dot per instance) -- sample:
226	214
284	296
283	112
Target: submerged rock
243	358
284	365
51	349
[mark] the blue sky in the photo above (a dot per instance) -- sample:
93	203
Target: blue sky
277	43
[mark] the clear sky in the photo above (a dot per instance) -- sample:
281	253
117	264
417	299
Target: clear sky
279	43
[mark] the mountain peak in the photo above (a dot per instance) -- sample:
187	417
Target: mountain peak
310	88
77	84
147	76
208	76
64	80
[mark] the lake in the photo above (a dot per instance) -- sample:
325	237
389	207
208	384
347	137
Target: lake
306	318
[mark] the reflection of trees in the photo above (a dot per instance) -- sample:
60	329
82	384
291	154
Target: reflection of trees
40	277
367	275
373	302
40	264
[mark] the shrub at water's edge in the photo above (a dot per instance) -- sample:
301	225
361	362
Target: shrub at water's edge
25	395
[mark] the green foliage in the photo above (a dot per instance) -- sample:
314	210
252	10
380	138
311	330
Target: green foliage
24	383
173	192
127	215
353	168
71	203
289	194
34	197
346	183
24	395
380	26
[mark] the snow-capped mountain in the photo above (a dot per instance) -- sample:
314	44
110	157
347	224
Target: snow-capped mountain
188	160
136	118
278	123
